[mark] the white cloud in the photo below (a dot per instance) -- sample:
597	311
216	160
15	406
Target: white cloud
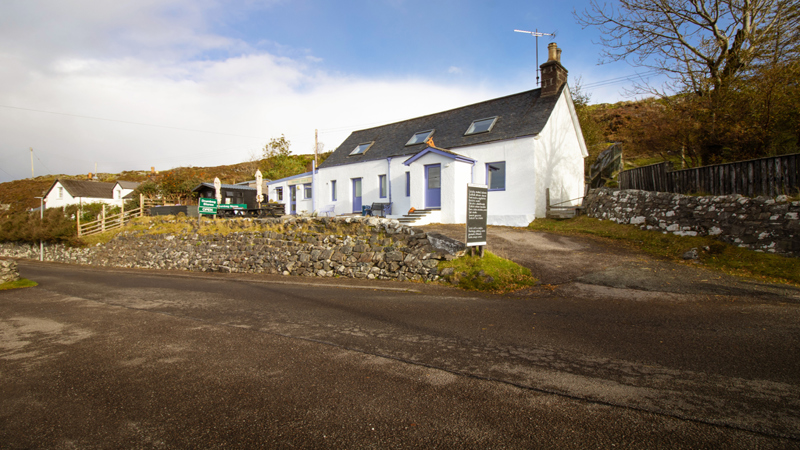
137	61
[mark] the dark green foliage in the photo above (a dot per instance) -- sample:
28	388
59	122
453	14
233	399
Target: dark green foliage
57	226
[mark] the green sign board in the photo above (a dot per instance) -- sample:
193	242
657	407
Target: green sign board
233	206
207	206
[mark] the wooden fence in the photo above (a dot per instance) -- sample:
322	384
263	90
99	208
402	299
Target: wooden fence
765	176
113	221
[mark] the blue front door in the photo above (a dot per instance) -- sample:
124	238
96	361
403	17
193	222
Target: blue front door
433	186
293	200
357	195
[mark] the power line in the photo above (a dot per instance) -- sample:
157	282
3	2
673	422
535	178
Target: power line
620	79
131	123
43	164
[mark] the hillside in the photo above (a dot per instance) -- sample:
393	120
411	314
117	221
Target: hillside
21	194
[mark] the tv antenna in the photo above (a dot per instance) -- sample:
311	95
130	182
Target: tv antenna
536	34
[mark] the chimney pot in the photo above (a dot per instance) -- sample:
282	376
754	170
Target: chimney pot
552	52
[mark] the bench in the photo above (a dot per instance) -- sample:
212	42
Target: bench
382	209
329	210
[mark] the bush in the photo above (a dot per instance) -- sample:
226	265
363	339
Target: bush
56	227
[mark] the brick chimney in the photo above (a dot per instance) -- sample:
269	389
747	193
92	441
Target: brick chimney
554	75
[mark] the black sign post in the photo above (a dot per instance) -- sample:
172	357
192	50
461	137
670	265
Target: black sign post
477	213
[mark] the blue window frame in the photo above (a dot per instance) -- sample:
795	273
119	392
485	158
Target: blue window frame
496	176
408	184
382	185
333	190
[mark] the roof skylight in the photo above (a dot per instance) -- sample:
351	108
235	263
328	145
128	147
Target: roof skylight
481	125
419	137
361	148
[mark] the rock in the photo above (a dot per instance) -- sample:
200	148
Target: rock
447	245
691	254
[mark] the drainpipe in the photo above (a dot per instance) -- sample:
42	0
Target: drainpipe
313	185
389	177
472	173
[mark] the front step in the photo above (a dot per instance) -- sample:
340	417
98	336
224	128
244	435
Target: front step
409	219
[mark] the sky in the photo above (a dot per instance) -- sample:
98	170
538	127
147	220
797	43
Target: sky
108	86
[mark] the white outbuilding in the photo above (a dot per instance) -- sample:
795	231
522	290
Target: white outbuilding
518	145
78	192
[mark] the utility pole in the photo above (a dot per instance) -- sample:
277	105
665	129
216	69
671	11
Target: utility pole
316	145
31	162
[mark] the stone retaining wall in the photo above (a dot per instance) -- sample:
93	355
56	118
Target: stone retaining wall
356	247
761	224
8	271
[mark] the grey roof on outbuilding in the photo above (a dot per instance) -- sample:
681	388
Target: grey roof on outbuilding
128	184
233	187
523	114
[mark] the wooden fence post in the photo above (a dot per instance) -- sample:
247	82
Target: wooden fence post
78	216
103	221
122	214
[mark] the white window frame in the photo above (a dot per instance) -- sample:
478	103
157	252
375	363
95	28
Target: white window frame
420	137
361	149
471	129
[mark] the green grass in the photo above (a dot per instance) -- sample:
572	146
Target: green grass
490	273
19	284
714	253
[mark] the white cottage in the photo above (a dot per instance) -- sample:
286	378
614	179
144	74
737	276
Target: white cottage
296	192
519	145
77	192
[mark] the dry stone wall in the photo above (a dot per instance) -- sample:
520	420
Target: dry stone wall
357	247
8	271
761	224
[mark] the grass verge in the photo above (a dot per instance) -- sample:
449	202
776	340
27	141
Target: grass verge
713	253
490	273
19	284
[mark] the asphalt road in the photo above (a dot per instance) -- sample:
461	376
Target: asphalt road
118	358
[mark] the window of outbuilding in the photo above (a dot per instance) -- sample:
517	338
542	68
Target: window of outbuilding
419	137
279	193
481	126
361	148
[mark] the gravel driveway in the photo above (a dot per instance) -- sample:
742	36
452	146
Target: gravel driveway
597	267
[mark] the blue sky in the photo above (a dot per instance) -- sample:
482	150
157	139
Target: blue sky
134	84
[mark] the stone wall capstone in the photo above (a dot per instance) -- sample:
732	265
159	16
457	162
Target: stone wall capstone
8	271
358	247
760	224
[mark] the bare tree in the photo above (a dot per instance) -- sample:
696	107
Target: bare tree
702	45
712	50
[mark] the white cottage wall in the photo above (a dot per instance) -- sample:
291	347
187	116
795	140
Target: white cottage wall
560	158
516	204
52	200
368	171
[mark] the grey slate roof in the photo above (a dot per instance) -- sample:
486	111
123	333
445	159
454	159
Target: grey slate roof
90	189
128	184
523	114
